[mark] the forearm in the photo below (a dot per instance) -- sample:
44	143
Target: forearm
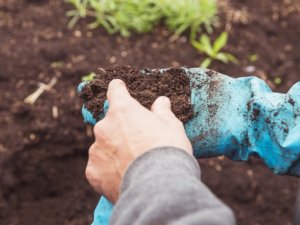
163	186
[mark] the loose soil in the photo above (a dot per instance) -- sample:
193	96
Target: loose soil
44	147
144	85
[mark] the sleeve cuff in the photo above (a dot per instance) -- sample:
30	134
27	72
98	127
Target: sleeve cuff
166	159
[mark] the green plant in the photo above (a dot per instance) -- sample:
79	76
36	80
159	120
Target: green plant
126	16
88	77
277	80
180	16
213	50
253	58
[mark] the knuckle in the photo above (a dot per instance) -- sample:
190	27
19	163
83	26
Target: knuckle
89	172
92	150
98	126
119	109
91	177
120	105
99	130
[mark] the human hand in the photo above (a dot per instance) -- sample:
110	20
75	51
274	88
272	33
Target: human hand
127	131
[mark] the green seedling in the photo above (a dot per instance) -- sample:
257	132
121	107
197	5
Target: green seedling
277	80
253	58
213	50
127	16
180	16
88	77
80	11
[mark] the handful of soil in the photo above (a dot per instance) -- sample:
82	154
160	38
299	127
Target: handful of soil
144	86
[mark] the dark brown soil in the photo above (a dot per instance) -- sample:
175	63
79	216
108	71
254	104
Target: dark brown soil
43	156
144	85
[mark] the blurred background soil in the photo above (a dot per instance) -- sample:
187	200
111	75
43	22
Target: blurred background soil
43	148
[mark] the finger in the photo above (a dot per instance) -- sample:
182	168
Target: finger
100	131
162	108
117	90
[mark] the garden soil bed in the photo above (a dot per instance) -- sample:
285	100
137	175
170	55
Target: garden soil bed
44	147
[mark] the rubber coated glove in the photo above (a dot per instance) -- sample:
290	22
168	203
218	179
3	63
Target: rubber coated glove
239	118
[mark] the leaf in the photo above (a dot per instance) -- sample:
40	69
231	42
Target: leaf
226	58
253	57
205	42
222	57
88	77
220	42
206	63
198	46
232	58
73	21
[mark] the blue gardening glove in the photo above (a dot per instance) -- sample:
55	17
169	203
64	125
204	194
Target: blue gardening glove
104	208
243	117
237	118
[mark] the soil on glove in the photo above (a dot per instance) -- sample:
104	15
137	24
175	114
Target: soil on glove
144	85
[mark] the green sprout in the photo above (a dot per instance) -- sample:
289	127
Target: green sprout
253	58
213	50
88	77
180	16
127	16
277	80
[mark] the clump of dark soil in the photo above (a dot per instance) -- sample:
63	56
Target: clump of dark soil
144	85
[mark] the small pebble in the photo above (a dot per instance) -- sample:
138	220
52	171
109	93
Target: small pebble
221	158
77	33
124	53
211	163
250	173
218	168
112	59
175	64
2	149
55	112
32	137
250	69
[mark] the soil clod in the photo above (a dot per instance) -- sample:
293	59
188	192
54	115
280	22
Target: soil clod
144	85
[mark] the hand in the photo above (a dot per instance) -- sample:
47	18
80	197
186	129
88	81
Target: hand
127	131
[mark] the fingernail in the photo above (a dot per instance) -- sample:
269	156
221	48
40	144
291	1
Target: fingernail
165	101
164	98
116	82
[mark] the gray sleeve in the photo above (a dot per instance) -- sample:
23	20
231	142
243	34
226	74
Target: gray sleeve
163	186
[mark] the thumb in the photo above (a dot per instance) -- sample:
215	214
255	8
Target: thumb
162	108
117	91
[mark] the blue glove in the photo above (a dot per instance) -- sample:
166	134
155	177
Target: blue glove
104	208
243	117
236	118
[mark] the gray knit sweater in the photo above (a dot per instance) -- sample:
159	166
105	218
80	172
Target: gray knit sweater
163	186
